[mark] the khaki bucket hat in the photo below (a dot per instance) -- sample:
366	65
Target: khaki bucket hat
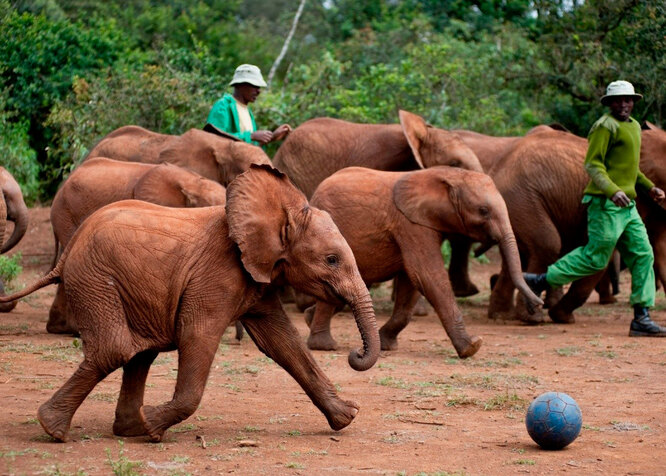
248	73
620	88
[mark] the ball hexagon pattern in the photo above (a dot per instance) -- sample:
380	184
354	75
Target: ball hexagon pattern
553	420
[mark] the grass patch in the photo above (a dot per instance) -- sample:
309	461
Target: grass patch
294	465
122	466
568	351
104	396
184	428
506	401
608	354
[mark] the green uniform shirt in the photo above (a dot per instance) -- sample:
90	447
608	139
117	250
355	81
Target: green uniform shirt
612	158
224	116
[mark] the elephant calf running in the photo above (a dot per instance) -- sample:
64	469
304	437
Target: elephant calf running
395	223
144	279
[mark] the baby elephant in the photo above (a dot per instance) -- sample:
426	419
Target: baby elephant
100	181
395	223
143	279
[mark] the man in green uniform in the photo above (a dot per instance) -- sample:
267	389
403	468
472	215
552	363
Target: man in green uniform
612	220
231	114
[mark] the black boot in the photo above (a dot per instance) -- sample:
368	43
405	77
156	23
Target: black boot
643	326
536	282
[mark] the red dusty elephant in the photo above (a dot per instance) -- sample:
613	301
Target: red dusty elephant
144	279
320	147
100	181
395	223
12	208
211	156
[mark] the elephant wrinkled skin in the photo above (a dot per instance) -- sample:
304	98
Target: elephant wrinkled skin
395	223
143	279
100	181
12	208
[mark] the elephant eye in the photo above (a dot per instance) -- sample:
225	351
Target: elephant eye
332	260
454	163
484	211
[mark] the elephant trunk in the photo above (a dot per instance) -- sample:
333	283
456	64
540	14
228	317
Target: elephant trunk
509	250
364	315
20	219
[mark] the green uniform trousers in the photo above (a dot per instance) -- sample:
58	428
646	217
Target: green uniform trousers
610	227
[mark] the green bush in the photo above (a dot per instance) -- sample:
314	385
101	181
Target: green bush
10	268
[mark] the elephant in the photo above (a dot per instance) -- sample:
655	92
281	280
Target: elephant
542	179
144	279
319	147
14	209
100	181
395	223
211	156
653	165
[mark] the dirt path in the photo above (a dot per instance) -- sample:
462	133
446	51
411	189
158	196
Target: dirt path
423	411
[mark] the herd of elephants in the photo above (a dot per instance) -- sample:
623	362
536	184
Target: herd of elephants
164	241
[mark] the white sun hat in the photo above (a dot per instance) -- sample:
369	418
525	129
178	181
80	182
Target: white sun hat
248	73
620	88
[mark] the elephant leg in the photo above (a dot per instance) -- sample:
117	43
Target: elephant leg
196	351
303	301
128	420
320	337
55	415
60	320
428	275
459	267
575	297
6	306
605	287
275	335
553	295
406	298
501	304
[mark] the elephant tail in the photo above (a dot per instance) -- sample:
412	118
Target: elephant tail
51	278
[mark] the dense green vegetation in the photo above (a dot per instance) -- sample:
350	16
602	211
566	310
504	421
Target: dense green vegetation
71	71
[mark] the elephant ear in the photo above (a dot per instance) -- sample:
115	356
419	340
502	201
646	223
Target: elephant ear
260	204
429	198
650	126
416	132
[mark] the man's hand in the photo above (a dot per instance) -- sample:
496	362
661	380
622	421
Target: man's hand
620	199
281	132
657	194
263	137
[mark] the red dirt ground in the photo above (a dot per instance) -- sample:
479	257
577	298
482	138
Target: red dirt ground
423	411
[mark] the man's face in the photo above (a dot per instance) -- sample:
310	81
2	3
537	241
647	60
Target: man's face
246	92
621	107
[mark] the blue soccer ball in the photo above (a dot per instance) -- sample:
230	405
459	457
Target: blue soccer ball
553	420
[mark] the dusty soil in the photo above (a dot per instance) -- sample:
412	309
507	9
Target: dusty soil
423	411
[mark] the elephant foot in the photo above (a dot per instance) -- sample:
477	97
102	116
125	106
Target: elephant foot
388	341
152	423
464	289
129	424
60	327
321	341
553	296
341	414
7	306
53	422
561	317
537	317
308	315
421	308
607	299
470	346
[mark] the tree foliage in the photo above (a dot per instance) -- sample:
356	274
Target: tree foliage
71	71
